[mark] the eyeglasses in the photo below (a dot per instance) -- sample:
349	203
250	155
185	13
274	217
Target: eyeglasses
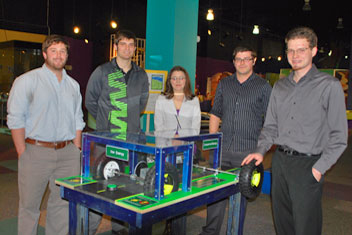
177	78
125	44
246	60
299	51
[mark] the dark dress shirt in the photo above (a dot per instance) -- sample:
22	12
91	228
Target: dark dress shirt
241	108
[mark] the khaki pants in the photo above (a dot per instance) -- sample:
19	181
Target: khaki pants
37	167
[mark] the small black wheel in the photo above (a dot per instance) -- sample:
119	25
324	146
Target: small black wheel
106	168
140	165
251	180
171	182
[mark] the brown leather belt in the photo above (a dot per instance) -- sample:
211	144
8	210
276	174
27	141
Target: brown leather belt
54	145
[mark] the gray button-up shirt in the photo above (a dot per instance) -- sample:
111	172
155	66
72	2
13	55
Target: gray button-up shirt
308	116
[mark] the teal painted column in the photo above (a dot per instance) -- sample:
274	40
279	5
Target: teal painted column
171	35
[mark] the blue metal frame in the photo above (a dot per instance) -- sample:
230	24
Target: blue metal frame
217	151
162	154
142	223
237	211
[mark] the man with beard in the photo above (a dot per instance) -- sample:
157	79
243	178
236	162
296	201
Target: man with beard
46	120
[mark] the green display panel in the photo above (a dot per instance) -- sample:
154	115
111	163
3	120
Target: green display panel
140	201
143	204
117	153
210	144
74	181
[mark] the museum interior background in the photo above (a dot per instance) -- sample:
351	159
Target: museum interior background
24	24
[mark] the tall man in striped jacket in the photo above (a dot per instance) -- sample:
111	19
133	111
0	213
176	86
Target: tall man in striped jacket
117	93
240	105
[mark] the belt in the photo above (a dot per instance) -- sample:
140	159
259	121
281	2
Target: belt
293	152
54	145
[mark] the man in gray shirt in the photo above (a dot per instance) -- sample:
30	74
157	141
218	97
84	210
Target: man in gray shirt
306	119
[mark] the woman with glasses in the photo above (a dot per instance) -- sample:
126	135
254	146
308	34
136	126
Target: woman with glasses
177	108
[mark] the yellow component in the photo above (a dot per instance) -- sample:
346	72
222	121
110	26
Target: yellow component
349	114
255	179
168	189
75	180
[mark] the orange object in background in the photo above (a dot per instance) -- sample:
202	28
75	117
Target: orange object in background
215	79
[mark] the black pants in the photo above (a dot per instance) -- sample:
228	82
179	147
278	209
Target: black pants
296	195
216	211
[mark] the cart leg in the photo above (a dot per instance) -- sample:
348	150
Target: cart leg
178	224
235	222
72	218
85	220
230	215
145	230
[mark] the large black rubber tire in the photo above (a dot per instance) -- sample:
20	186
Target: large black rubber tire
247	188
172	179
102	163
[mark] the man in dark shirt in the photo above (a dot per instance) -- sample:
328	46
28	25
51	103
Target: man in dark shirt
240	103
116	95
117	91
306	119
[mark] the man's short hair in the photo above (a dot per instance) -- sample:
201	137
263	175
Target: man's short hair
53	39
243	49
125	34
303	32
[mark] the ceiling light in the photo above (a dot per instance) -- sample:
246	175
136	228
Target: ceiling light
339	23
113	24
209	32
210	15
76	29
86	41
256	29
306	6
